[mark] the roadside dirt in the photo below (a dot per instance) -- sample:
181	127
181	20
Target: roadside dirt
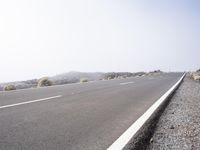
179	126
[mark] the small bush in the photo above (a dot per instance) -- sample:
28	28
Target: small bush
155	72
9	87
44	82
83	80
115	75
195	76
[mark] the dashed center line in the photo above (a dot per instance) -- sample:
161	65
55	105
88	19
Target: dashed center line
125	83
28	102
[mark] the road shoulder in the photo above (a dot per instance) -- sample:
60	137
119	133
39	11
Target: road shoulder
179	126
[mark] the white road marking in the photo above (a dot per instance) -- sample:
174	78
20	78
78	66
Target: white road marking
125	83
28	102
121	142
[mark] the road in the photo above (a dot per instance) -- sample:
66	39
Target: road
87	116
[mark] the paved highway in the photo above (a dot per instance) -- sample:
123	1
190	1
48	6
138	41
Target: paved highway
88	116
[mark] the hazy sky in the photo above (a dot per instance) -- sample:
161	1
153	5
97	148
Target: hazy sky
47	37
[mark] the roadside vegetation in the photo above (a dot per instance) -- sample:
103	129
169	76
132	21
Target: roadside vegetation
155	72
9	87
195	75
71	77
44	82
115	75
83	80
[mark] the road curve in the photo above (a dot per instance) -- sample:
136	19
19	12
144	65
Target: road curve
88	116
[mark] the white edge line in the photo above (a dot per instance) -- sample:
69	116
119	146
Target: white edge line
124	83
123	140
28	102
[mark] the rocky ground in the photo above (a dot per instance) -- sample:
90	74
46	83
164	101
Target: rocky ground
179	126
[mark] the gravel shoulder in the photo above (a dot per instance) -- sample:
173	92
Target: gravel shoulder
179	126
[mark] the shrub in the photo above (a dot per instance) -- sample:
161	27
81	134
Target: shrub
44	82
83	80
195	76
9	87
155	72
115	75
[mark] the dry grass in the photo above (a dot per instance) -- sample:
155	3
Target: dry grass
44	82
83	80
195	75
9	87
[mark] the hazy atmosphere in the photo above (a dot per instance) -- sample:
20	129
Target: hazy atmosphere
43	38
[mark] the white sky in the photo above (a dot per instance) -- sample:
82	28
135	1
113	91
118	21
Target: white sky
47	37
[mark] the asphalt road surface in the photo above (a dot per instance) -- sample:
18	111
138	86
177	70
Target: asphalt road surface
88	116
